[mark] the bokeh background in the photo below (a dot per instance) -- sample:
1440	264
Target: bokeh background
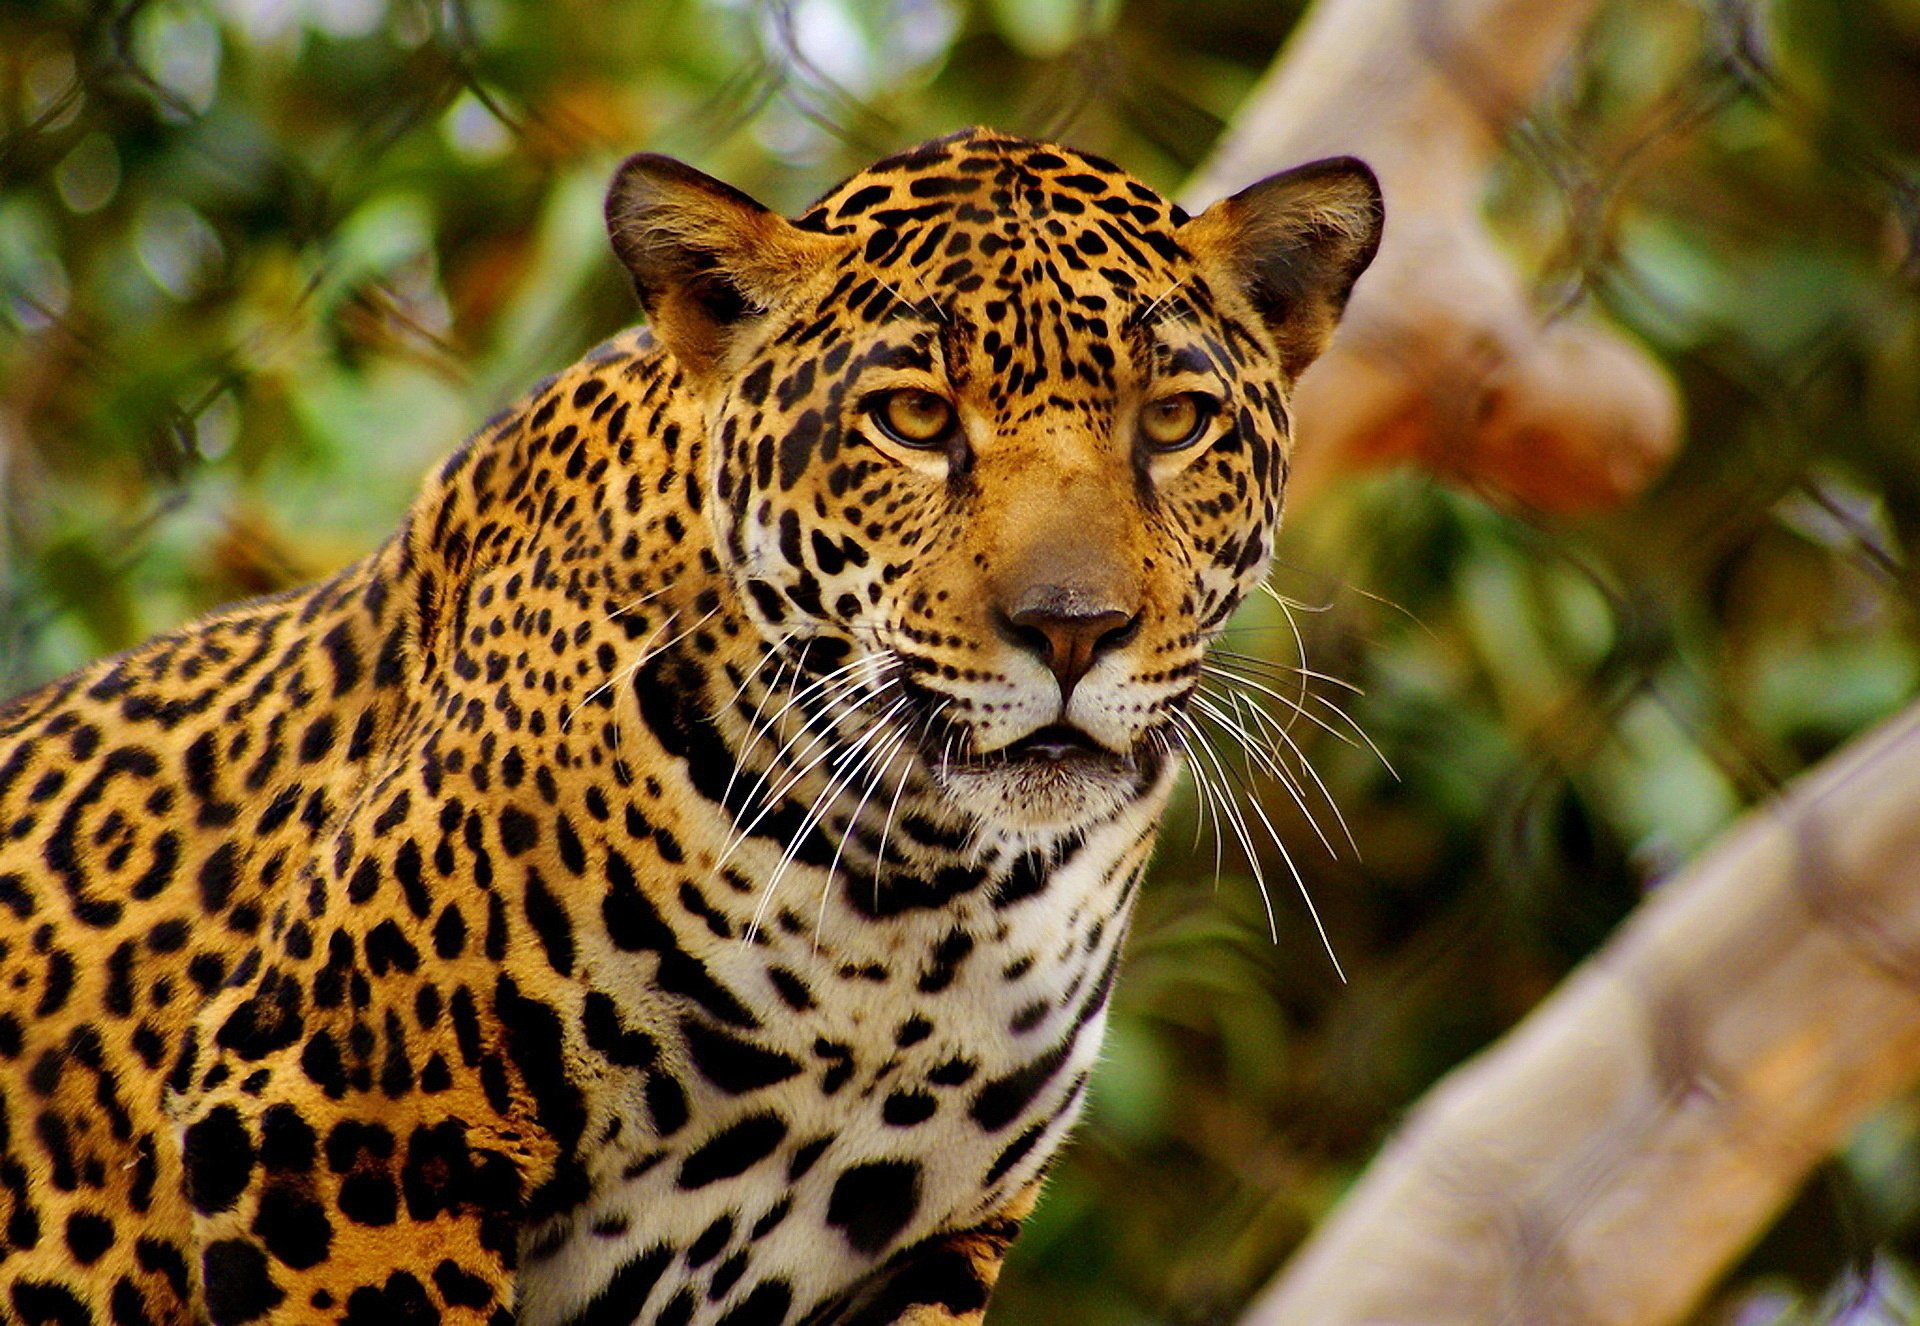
262	261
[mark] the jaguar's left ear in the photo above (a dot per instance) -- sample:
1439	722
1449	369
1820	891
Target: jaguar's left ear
704	257
1294	244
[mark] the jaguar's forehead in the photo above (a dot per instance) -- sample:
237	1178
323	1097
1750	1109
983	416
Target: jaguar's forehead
963	211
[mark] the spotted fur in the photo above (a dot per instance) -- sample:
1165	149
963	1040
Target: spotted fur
679	876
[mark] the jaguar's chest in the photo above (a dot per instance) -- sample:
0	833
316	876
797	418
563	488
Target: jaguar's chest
892	1079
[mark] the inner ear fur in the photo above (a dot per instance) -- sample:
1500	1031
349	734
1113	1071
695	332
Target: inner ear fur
1294	244
704	257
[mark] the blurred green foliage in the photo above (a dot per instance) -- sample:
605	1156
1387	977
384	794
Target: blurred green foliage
261	261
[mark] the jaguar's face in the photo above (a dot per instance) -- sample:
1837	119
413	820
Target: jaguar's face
1012	429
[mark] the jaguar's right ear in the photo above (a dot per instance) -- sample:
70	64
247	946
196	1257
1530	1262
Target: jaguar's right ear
704	257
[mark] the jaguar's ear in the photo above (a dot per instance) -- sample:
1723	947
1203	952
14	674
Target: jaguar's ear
704	257
1294	244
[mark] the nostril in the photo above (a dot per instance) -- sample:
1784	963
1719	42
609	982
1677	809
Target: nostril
1040	641
1027	634
1119	635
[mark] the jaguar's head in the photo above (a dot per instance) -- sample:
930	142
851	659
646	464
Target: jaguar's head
1000	418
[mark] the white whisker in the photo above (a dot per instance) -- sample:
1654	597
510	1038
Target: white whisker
836	782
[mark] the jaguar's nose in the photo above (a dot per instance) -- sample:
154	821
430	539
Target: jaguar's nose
1069	629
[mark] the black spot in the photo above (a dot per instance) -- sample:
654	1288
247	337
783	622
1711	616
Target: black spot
238	1285
1016	1151
610	1037
904	1109
872	1203
947	957
536	1044
439	1173
218	1157
519	831
162	1259
293	1226
713	1239
1028	877
678	1311
218	875
402	1301
368	1197
911	1032
805	1157
726	1275
458	1288
943	1278
42	1304
346	661
862	200
767	1305
793	991
128	1305
796	450
388	948
320	1061
666	1104
88	1236
734	1065
733	1150
1001	1101
269	1021
549	921
953	1073
619	1300
450	933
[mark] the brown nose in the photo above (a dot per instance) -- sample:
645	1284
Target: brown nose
1069	629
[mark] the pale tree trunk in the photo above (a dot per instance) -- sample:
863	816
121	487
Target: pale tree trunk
1442	358
1606	1160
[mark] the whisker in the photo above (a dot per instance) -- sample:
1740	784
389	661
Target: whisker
646	652
754	730
1261	716
1255	751
1235	820
776	650
1207	803
853	821
629	606
1228	674
886	829
771	797
1146	314
1287	670
830	690
1292	868
837	782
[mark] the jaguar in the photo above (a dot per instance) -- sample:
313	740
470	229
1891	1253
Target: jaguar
679	876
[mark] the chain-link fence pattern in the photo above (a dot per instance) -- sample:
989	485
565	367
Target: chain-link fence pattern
261	261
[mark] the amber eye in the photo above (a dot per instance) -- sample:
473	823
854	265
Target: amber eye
1173	422
913	417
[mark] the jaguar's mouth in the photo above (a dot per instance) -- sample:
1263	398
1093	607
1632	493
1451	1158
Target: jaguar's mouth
1054	779
1056	743
1057	749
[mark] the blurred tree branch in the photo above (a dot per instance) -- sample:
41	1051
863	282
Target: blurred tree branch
1442	358
1606	1160
1610	1157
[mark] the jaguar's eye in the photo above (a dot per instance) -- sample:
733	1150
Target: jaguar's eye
913	417
1174	422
